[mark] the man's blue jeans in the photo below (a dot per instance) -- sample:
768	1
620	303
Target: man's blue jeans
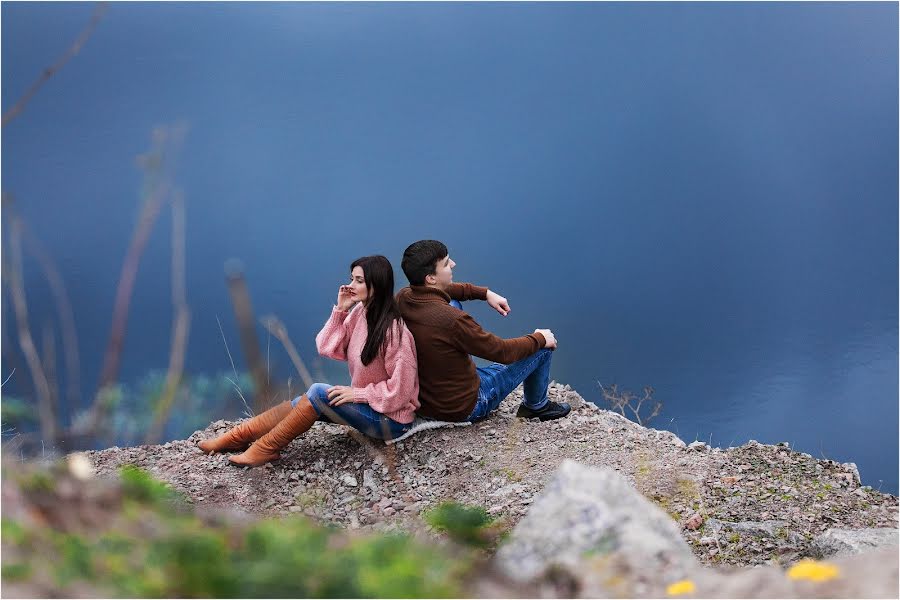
497	381
361	417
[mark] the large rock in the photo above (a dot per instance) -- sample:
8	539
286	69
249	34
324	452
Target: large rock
845	542
872	574
594	513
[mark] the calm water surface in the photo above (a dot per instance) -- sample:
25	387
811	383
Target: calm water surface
698	197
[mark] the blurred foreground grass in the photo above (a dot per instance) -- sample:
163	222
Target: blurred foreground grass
135	537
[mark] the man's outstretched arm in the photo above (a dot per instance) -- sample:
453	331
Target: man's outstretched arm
468	291
472	339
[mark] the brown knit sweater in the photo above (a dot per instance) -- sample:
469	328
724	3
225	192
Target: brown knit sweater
445	337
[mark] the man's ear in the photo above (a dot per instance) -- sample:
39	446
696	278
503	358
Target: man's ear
431	279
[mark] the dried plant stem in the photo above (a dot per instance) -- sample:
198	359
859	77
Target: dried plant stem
180	326
20	305
180	329
49	361
47	73
243	312
275	327
65	313
149	215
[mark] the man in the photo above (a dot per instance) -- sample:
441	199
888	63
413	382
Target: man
451	388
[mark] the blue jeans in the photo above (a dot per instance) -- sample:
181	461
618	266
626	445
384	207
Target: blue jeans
361	417
497	381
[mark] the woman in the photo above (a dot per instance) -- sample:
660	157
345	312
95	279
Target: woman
383	394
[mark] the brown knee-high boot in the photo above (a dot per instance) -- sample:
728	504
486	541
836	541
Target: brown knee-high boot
243	434
266	448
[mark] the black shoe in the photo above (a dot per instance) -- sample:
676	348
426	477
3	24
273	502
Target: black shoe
553	410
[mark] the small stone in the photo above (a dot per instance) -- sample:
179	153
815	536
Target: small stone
369	480
694	522
349	480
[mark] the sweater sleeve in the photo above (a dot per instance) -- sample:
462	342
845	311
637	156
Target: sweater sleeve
401	389
335	335
472	339
466	291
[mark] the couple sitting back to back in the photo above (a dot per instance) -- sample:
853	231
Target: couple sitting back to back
406	354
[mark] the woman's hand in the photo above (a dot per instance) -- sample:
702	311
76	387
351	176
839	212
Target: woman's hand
344	299
340	394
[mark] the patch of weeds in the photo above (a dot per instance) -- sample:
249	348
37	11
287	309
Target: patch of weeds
75	560
15	571
180	556
687	488
734	538
12	532
310	499
510	474
38	482
465	524
140	486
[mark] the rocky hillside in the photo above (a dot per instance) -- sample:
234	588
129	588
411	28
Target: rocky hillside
748	505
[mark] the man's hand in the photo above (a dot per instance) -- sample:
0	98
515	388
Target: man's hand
340	394
549	338
498	303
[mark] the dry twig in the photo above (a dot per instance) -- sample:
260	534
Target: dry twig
274	326
26	342
47	73
180	326
243	312
621	400
157	163
64	310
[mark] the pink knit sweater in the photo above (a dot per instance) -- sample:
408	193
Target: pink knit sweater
390	383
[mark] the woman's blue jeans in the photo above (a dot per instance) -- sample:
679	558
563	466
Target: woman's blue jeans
361	417
498	380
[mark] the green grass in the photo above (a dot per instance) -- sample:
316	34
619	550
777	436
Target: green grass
153	546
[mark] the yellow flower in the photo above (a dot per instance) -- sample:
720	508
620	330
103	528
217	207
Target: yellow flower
685	586
813	570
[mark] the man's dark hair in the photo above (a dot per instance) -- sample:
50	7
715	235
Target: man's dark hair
421	258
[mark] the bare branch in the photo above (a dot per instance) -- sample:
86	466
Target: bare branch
49	362
65	313
20	305
180	326
243	312
47	73
180	330
274	326
166	143
621	400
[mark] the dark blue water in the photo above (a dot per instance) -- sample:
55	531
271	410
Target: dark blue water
698	197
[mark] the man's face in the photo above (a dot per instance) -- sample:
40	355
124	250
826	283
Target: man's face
443	273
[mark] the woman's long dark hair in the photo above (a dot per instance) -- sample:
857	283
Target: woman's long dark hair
381	307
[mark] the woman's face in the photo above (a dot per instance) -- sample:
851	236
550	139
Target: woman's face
357	285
